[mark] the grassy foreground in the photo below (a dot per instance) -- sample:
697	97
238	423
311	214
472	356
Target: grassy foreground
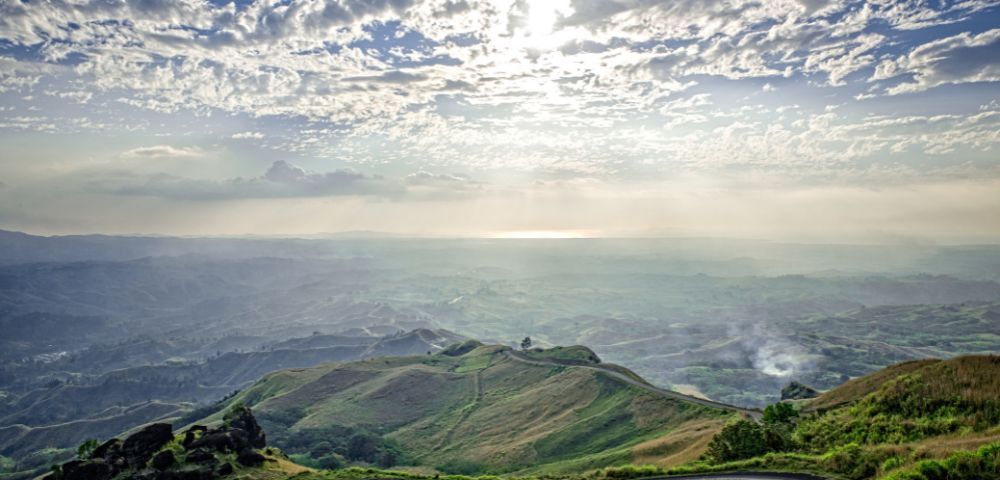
924	420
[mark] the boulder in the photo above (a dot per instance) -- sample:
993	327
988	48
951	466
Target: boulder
798	391
224	469
242	418
163	460
222	441
190	435
200	456
200	473
108	449
250	458
86	470
140	446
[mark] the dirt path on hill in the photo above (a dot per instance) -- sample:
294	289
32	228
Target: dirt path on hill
752	413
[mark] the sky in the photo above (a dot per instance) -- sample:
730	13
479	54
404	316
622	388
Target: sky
806	120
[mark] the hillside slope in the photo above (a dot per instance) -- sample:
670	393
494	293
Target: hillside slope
919	420
63	415
478	411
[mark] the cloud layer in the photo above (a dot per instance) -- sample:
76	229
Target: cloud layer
411	99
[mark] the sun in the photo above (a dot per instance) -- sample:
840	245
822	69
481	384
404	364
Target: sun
541	29
542	16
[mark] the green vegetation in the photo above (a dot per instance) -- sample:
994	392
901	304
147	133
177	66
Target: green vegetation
961	395
746	438
979	465
575	354
86	448
912	421
477	412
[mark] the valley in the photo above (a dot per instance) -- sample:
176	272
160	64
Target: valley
104	334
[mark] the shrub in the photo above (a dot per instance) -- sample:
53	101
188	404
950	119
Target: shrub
737	441
983	464
632	471
779	413
86	448
892	463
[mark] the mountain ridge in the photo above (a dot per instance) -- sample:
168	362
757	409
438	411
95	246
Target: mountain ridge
481	411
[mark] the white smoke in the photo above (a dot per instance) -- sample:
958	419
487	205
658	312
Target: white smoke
772	353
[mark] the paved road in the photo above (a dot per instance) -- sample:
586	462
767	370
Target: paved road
742	476
753	413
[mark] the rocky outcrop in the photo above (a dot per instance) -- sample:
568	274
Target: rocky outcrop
798	391
163	460
140	446
242	419
143	455
250	458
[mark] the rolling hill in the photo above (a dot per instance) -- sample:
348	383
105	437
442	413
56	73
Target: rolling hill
64	414
919	420
478	409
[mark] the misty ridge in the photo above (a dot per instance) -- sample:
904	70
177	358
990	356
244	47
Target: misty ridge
734	320
102	334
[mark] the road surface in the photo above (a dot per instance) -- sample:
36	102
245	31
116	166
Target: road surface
741	476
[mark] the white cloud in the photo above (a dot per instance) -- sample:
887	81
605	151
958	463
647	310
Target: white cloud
163	151
617	88
961	58
248	135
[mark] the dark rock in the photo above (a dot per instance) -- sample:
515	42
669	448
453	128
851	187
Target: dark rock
163	460
250	458
224	469
200	456
242	418
140	446
191	434
117	463
798	391
200	473
86	470
222	441
110	448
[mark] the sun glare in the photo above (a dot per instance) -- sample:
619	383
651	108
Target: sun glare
542	234
540	29
541	19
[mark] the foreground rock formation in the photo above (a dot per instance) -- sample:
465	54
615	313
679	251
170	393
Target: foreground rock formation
154	453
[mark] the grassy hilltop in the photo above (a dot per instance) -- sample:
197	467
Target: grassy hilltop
473	409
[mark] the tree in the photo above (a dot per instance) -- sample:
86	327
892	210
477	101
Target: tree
387	459
329	462
362	447
780	413
526	343
737	441
86	448
321	449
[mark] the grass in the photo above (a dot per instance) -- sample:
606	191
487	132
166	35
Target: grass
961	395
919	420
572	354
479	412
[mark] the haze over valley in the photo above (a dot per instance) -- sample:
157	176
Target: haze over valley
499	239
110	332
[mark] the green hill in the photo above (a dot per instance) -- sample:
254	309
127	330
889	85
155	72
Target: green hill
920	420
477	410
